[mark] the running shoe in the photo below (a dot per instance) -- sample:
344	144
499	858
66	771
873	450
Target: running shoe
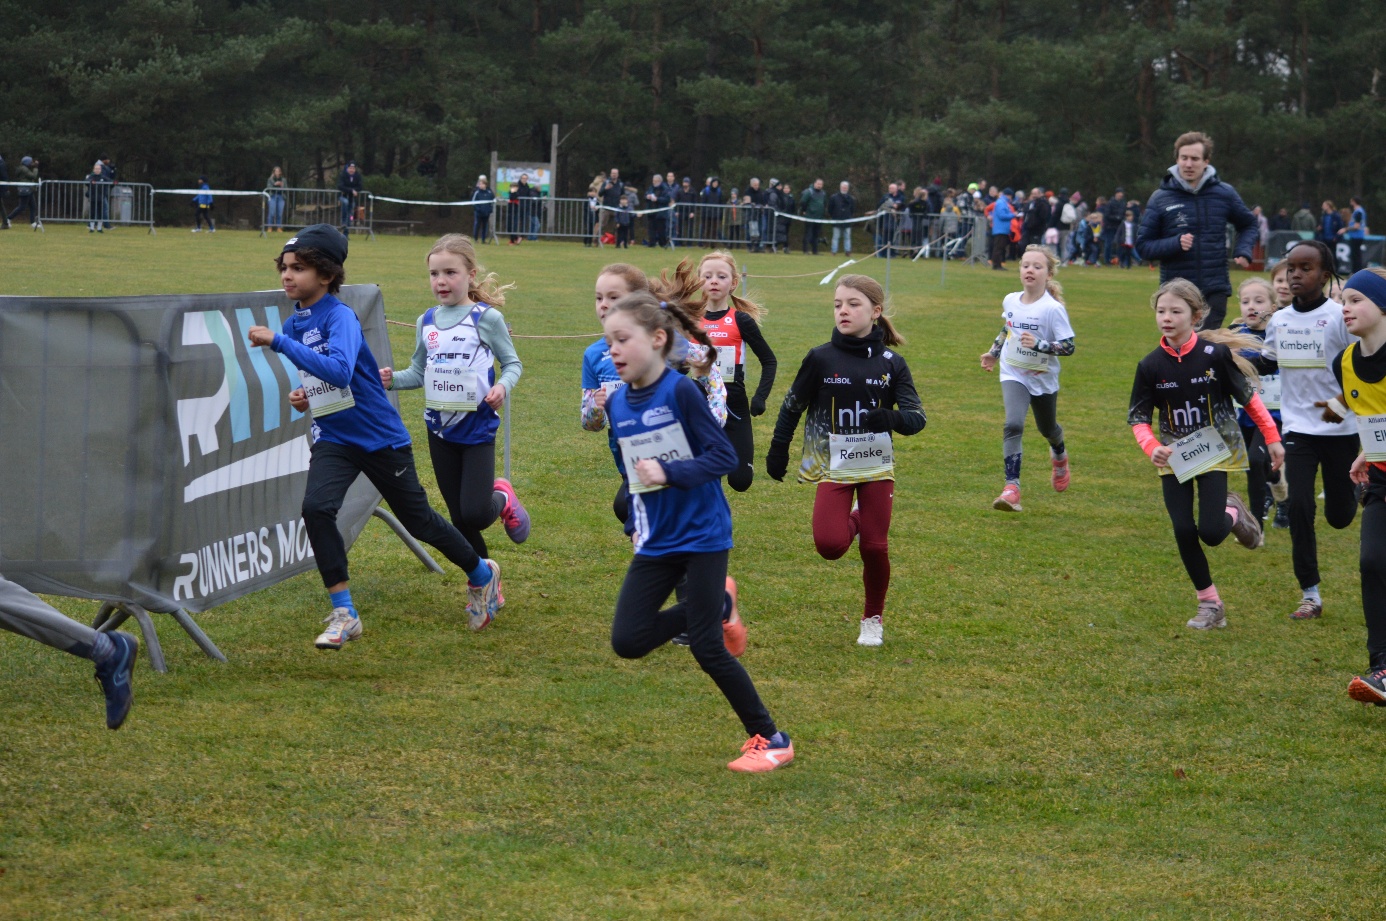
1308	610
483	601
114	675
514	516
1211	614
760	754
1009	500
1282	516
872	631
342	627
683	639
1369	688
1059	476
1246	528
733	630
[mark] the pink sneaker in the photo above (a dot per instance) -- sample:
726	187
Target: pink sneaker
514	516
1009	500
1059	476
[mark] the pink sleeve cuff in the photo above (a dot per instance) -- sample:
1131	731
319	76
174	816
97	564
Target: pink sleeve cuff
1262	417
1145	437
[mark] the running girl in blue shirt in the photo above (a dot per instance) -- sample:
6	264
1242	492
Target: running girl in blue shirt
676	455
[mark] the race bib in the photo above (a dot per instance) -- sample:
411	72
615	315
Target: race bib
726	361
1372	431
866	452
610	387
451	387
1300	347
1270	390
323	398
667	443
1018	356
1198	453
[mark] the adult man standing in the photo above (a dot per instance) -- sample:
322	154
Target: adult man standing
610	195
1113	216
1184	225
687	200
813	204
758	200
657	196
481	212
349	188
841	207
1037	215
1304	221
712	200
1001	215
1356	232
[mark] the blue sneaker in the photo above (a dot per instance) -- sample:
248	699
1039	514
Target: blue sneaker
114	675
484	601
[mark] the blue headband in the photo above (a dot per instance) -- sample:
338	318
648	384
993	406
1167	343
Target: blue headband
1370	284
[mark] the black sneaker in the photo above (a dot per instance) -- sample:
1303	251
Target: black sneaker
1369	688
682	640
114	675
1282	516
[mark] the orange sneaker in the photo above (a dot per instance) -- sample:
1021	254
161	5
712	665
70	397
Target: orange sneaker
733	630
1009	500
760	754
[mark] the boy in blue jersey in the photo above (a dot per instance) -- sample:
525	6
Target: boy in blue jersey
355	430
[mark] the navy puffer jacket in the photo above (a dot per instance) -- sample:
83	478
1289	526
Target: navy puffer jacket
1175	210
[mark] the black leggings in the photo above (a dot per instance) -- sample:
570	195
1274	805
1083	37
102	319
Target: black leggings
1258	472
331	472
1217	311
1213	523
1373	566
466	477
739	433
640	627
1305	455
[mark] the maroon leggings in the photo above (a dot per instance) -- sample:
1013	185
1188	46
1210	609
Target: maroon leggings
834	526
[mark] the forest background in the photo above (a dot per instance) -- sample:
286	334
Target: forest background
1087	95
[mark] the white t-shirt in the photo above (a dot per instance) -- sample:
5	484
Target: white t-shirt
1301	388
1047	319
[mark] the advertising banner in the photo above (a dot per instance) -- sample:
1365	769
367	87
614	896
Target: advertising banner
150	454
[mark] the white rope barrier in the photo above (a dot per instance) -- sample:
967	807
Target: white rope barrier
225	193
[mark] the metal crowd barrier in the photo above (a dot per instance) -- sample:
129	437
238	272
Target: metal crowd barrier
294	209
123	204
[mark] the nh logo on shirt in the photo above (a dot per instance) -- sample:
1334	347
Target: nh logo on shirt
1190	417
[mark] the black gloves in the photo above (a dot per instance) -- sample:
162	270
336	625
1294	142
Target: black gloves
777	462
757	406
881	420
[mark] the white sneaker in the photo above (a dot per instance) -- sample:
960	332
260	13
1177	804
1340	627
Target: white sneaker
872	632
342	627
484	602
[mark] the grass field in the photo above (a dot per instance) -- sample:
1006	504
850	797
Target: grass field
1040	737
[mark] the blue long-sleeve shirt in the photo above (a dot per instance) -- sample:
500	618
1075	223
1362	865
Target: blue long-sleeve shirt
690	515
326	341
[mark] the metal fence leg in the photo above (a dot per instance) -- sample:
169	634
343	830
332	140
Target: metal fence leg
193	630
408	539
112	616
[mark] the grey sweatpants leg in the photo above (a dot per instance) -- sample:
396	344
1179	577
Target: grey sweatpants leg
23	612
1046	408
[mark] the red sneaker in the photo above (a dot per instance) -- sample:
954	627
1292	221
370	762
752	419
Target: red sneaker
1009	500
733	630
1059	476
513	516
